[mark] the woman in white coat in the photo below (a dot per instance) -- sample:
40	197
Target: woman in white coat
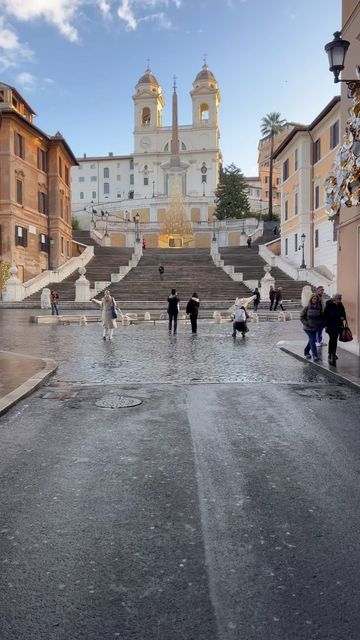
108	304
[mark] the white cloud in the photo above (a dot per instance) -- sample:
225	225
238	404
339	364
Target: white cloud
129	11
12	51
125	12
57	12
26	80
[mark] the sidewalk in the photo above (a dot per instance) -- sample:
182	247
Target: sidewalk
20	375
347	369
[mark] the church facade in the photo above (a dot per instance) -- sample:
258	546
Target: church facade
182	161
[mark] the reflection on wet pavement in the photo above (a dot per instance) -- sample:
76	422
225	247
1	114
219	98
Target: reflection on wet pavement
147	354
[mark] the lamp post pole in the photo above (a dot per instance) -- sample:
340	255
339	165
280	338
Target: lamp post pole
137	234
214	228
303	265
153	185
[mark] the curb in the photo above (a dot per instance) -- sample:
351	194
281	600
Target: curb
334	375
30	385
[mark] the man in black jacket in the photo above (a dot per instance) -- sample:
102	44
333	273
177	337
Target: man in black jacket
192	308
173	309
334	318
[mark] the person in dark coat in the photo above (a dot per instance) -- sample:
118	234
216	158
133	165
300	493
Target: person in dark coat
192	308
256	303
334	318
161	271
271	297
278	299
173	309
248	242
311	319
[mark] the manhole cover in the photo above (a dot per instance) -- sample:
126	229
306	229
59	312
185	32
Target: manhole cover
117	402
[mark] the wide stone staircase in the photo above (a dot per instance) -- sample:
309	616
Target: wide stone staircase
251	265
106	261
187	270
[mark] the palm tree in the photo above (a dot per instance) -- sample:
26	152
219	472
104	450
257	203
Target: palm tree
271	125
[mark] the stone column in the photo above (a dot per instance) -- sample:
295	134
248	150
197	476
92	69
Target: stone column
266	283
15	290
45	299
82	287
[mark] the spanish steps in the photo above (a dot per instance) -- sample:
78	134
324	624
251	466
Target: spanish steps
187	270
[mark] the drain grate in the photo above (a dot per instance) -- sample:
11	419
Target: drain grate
117	402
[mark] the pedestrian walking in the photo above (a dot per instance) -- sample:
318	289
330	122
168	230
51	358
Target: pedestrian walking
311	318
319	340
144	244
54	301
240	317
256	294
248	242
271	297
192	308
173	309
278	299
161	271
334	321
110	311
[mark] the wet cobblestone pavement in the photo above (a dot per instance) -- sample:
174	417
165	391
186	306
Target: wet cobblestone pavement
147	354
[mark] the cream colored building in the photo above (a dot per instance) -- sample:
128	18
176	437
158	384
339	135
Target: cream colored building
305	158
141	184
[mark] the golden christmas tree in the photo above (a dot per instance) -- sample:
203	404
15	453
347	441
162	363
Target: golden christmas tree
176	222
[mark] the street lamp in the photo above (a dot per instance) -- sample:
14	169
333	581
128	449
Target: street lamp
137	234
336	50
214	227
153	193
302	246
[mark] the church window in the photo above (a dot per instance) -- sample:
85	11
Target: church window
106	187
204	113
106	172
81	195
131	178
146	181
131	164
93	178
93	195
146	116
81	179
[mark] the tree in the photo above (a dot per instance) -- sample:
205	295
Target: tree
4	275
271	125
75	223
231	194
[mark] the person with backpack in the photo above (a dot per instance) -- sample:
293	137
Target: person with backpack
192	308
173	309
256	294
240	317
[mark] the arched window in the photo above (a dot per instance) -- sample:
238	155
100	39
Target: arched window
146	116
106	172
204	112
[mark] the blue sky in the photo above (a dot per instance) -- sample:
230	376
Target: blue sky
77	62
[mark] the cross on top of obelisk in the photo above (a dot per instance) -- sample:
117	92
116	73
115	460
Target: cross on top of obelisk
205	58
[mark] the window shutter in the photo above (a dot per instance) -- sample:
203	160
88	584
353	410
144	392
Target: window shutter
25	237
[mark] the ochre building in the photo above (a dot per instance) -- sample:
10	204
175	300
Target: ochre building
35	195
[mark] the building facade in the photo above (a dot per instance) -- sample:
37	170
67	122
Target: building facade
348	219
35	194
305	158
182	157
264	150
